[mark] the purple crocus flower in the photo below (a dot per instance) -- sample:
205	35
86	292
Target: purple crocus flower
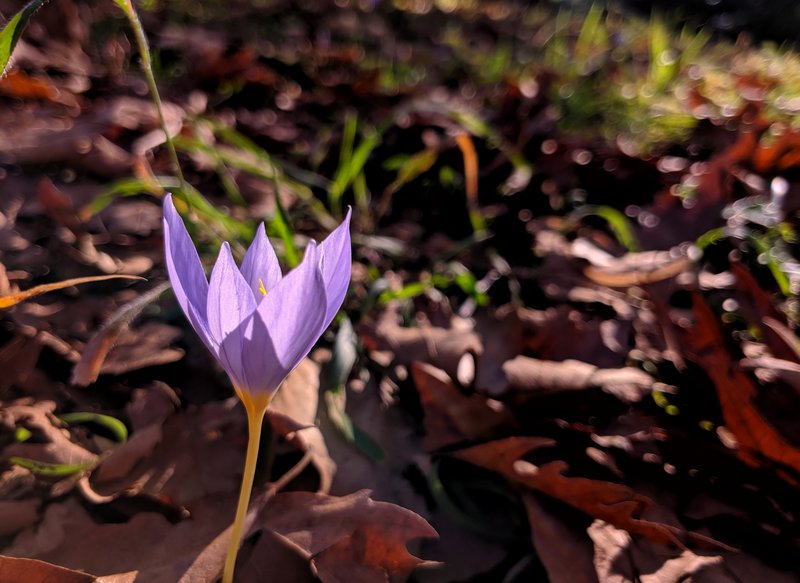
258	323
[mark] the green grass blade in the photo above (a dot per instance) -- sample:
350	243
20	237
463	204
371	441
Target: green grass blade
617	222
112	424
351	162
50	470
12	32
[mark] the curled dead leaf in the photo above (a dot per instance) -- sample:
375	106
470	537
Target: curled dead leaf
87	369
544	377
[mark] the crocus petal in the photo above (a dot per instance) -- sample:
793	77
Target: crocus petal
260	266
294	314
248	356
336	264
186	272
230	304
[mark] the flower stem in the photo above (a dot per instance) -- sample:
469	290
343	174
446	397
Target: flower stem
256	406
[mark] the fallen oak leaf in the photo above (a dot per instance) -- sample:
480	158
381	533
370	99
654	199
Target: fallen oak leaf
757	439
15	298
352	538
614	503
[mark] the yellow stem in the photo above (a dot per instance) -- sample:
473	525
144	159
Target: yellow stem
256	406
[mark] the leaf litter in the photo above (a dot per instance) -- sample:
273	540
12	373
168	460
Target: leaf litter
562	340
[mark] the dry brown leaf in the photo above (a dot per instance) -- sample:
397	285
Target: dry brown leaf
18	514
51	443
293	414
758	440
544	377
450	415
138	348
564	550
507	324
618	559
16	83
467	148
159	551
259	563
197	453
758	308
18	358
18	570
13	299
350	539
564	333
628	274
93	357
441	347
613	503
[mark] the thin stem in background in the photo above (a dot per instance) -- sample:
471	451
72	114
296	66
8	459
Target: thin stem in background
147	67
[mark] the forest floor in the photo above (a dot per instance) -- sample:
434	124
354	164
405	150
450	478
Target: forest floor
568	352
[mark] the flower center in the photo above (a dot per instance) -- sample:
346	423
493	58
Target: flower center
261	287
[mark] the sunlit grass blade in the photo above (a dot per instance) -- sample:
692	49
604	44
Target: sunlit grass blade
11	33
222	224
412	167
280	223
49	470
14	299
592	37
351	162
662	64
114	426
617	222
128	187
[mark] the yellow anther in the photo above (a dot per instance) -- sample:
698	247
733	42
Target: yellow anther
261	287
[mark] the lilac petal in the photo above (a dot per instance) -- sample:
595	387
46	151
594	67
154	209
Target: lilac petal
336	264
186	272
230	304
260	265
294	314
248	356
